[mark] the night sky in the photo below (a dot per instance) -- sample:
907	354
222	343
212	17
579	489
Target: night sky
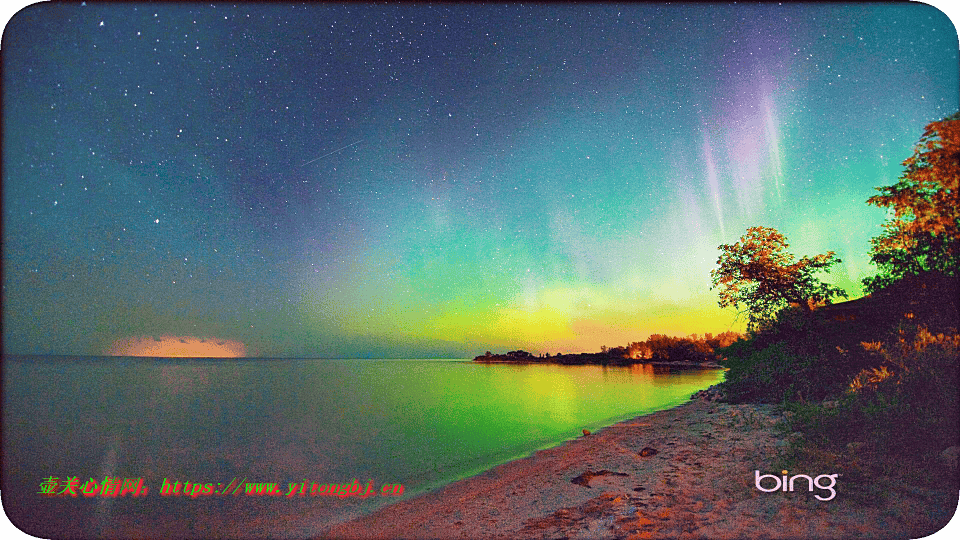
436	181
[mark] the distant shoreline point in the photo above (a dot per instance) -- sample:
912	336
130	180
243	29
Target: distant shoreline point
586	359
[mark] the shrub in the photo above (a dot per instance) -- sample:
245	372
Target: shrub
797	356
895	418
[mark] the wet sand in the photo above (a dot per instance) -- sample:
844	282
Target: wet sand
687	472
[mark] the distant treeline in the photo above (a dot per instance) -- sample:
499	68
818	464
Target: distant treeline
657	348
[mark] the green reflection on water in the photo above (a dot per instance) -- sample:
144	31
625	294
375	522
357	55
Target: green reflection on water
435	420
419	423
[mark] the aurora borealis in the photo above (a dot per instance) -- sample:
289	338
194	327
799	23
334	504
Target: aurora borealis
415	181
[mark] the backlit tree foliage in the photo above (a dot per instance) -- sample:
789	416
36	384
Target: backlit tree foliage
924	232
759	274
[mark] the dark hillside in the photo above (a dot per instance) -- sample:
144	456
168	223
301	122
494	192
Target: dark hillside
931	297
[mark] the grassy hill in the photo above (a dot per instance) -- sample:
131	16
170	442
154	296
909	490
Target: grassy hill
869	386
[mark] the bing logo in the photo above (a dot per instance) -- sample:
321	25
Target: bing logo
783	484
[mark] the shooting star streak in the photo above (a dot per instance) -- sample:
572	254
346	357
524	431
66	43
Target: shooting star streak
330	153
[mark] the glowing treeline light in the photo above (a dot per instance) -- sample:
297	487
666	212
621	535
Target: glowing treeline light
177	347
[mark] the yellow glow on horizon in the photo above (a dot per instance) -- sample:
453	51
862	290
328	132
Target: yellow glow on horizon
540	317
178	347
619	325
550	313
560	318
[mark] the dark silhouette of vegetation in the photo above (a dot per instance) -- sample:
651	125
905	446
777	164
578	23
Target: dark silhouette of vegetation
924	232
894	418
870	385
872	391
798	356
758	273
692	349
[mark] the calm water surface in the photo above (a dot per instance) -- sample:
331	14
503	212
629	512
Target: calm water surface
419	423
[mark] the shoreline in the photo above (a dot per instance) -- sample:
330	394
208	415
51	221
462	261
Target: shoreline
688	471
661	363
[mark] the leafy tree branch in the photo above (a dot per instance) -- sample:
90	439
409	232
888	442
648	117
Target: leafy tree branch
759	274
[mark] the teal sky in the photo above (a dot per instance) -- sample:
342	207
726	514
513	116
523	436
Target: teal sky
435	181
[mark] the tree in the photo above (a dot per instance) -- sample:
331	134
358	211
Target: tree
638	349
760	274
924	232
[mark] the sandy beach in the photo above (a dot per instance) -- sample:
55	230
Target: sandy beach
686	472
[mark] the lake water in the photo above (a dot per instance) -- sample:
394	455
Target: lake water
418	423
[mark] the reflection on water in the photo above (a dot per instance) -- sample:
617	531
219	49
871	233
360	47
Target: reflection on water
419	423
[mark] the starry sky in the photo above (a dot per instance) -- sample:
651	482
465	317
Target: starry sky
421	181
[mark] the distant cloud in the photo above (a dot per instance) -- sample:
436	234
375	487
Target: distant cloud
177	347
